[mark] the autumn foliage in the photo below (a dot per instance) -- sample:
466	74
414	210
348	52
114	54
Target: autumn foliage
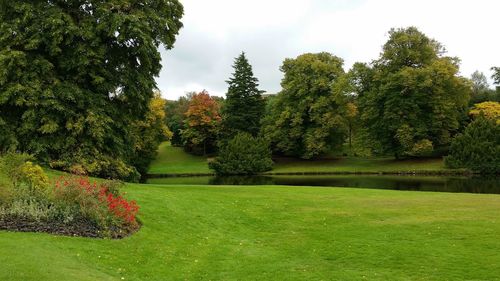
202	122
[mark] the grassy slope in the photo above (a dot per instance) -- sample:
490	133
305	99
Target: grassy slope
276	233
173	160
359	165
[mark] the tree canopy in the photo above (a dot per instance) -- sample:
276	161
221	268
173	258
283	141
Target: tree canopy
244	106
307	118
75	76
201	124
415	100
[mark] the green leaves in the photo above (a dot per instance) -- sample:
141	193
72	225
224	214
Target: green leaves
307	117
243	155
477	148
76	75
414	98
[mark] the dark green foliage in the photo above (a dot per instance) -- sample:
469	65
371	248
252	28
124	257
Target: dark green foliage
175	115
415	100
496	75
307	118
74	76
243	155
244	106
477	148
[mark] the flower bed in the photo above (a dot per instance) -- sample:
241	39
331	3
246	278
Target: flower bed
71	205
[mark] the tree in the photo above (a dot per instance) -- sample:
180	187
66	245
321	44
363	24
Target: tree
481	91
477	148
175	112
488	109
76	75
496	75
243	155
149	133
307	117
244	106
415	101
202	123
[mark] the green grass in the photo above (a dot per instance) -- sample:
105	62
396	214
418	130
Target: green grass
276	233
174	160
358	165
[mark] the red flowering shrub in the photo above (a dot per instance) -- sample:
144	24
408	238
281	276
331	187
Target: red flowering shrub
99	202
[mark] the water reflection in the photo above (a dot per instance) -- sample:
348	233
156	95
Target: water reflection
415	183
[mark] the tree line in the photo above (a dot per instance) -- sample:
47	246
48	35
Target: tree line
409	102
77	91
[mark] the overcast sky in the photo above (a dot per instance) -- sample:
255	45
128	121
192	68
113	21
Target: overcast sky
216	31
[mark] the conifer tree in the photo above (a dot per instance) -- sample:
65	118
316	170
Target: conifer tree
244	106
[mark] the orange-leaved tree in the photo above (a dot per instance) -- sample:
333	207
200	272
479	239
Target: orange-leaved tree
202	123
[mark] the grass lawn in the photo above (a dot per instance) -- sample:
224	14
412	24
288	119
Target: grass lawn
357	165
174	160
276	233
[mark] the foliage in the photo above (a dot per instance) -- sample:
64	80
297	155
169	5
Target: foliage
481	91
202	123
244	106
307	119
414	98
496	75
149	133
477	148
479	83
100	202
243	155
175	115
70	204
76	76
11	164
489	109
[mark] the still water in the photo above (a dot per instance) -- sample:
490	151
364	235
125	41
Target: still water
414	183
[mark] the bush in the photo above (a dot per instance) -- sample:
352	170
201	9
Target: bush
477	148
72	205
24	175
99	202
11	163
243	155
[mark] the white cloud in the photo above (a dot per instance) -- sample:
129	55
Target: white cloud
269	31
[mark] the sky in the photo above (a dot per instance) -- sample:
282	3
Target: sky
268	31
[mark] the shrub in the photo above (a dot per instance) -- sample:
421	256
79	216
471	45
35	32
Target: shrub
98	202
477	148
243	155
11	163
24	175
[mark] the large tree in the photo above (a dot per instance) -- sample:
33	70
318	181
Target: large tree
76	75
307	118
244	106
416	100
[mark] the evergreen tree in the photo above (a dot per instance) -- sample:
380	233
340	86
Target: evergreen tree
478	147
244	106
243	155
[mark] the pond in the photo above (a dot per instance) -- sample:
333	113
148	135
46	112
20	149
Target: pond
395	182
